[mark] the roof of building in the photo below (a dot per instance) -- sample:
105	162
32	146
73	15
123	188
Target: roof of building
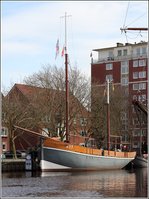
122	45
30	91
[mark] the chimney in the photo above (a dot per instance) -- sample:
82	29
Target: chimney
127	44
119	44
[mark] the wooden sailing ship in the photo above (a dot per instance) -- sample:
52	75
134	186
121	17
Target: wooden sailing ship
63	155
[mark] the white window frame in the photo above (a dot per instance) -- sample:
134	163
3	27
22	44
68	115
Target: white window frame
83	121
109	66
142	62
135	75
75	121
135	63
124	67
125	52
142	86
119	53
124	80
138	51
109	77
142	74
135	86
4	132
4	146
143	50
143	97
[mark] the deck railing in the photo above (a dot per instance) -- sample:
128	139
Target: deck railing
80	149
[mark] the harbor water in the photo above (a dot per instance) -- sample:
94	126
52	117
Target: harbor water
118	183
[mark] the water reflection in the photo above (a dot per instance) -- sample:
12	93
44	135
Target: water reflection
119	183
141	182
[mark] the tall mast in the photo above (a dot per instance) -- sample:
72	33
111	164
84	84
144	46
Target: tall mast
66	80
108	118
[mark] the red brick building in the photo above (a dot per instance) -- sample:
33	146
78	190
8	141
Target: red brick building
51	123
125	65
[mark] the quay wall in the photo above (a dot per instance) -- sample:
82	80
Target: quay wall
18	165
13	165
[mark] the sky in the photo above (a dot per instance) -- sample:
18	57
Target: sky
30	29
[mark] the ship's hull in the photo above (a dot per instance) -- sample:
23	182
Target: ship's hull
58	159
140	162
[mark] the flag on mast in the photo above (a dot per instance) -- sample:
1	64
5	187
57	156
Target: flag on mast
63	50
57	48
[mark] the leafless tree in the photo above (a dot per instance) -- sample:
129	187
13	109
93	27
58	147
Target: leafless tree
52	79
118	105
20	113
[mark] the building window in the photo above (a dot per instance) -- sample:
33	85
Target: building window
142	74
135	63
74	121
83	121
109	66
142	86
143	97
136	133
83	133
109	77
135	86
124	67
135	145
143	50
125	52
119	53
135	121
142	62
3	116
4	146
4	131
143	132
110	54
135	75
124	80
138	51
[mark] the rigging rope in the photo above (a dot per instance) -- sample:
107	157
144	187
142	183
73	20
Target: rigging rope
126	14
136	19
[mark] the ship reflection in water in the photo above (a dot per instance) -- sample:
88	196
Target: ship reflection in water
120	183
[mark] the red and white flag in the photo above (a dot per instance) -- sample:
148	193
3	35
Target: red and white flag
63	51
57	48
